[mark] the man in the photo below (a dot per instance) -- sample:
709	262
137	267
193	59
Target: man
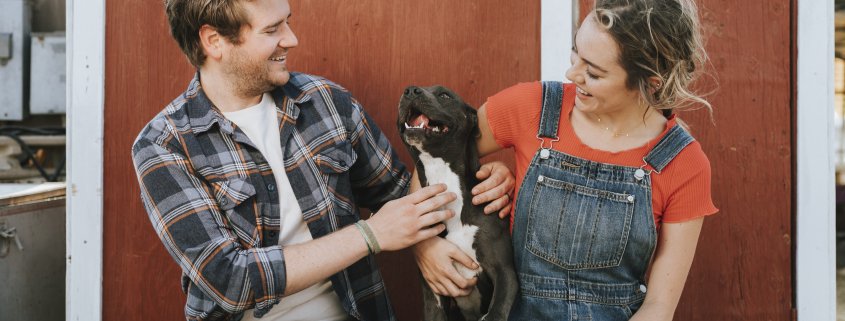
253	176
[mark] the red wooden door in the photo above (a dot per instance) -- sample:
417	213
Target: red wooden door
373	48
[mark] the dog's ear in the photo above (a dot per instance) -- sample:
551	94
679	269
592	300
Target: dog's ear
473	133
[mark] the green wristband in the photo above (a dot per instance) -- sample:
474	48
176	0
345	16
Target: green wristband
372	242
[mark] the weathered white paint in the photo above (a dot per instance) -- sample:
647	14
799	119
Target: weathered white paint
86	71
557	19
816	255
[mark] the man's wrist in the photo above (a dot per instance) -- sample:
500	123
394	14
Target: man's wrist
369	237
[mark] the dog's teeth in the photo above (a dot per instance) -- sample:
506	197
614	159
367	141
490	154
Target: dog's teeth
406	126
436	129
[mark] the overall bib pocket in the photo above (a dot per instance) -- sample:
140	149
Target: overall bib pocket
578	227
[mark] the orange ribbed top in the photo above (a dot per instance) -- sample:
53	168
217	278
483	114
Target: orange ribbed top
681	192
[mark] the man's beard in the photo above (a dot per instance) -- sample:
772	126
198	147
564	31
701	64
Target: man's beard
249	78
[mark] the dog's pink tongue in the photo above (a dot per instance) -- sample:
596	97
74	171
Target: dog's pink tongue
420	120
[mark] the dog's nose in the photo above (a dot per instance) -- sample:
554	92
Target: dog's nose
412	91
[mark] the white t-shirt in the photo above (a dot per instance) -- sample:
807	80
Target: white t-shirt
318	302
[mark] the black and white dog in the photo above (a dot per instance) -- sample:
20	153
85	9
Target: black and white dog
440	130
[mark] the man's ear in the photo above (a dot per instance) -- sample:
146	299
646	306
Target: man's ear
211	41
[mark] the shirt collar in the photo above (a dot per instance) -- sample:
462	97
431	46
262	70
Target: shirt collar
203	114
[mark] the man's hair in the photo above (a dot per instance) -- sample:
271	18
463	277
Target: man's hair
186	17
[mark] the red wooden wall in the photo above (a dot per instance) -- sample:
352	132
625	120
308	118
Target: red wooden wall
373	48
743	269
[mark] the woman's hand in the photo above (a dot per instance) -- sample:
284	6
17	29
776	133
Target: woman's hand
496	188
435	257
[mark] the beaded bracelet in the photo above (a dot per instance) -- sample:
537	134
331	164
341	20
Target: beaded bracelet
369	237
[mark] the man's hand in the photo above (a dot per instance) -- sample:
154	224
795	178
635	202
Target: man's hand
435	257
404	222
496	188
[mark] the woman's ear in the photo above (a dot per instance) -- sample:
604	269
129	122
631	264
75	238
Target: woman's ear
655	84
212	42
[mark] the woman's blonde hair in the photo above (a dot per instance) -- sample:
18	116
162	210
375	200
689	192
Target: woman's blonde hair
661	39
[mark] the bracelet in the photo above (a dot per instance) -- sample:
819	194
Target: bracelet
366	240
369	237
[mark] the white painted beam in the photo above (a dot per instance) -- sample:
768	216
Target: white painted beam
85	95
816	256
556	24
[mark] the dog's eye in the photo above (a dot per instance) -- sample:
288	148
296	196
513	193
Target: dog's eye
445	96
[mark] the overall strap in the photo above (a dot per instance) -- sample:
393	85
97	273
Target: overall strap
550	117
668	147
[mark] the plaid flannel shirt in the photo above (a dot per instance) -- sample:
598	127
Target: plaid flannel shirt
212	199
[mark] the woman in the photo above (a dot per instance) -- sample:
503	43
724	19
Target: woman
613	189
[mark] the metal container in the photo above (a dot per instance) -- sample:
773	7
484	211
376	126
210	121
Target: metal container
32	252
47	74
14	58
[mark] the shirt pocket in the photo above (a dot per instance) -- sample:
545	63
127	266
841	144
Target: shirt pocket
231	192
235	198
334	162
336	158
578	227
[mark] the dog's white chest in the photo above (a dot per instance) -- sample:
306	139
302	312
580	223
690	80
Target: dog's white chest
437	171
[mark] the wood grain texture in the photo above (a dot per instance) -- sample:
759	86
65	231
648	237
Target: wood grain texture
743	265
144	71
743	268
373	48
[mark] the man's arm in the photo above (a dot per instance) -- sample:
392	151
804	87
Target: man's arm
400	223
195	232
193	229
378	175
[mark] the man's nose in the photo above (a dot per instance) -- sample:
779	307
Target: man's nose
289	40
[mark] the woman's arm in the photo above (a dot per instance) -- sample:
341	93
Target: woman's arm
675	250
486	142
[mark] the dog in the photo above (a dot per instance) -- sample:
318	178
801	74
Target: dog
440	132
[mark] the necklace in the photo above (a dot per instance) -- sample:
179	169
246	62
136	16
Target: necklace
617	134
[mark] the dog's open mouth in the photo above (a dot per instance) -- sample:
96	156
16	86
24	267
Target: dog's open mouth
419	121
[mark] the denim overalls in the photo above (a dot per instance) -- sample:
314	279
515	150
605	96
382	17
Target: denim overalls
584	233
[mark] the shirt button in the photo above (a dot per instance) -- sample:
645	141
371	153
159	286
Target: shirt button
642	288
630	198
224	201
271	187
342	163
